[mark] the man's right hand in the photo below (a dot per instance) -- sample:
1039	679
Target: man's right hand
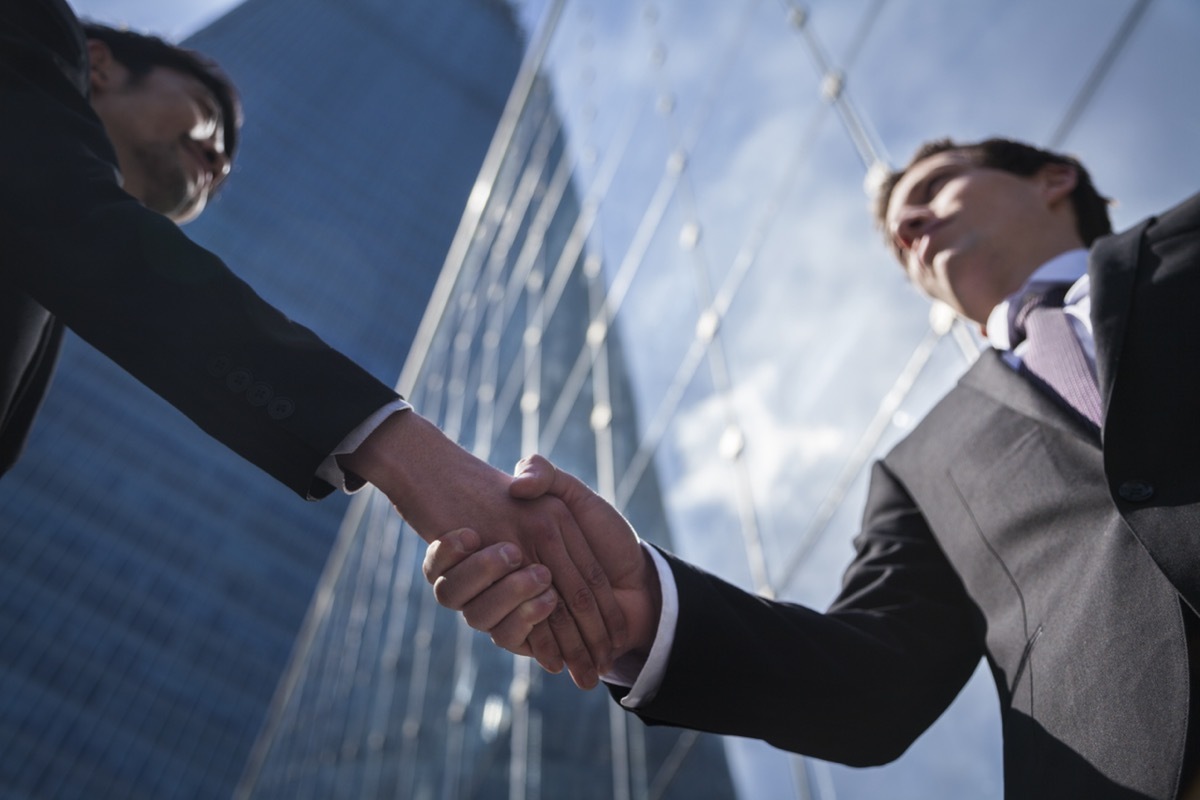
507	598
437	486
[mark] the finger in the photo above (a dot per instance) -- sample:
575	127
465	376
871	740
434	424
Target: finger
506	598
576	654
553	539
515	629
535	476
485	575
532	478
562	485
541	642
576	495
448	551
582	582
585	590
597	591
556	642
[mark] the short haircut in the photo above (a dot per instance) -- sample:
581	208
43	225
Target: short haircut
1091	208
140	53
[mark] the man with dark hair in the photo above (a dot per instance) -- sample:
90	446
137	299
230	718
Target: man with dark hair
1091	208
1045	516
124	62
108	139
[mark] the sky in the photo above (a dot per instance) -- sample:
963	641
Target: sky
172	20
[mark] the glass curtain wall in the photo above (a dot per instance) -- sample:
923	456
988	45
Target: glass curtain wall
388	695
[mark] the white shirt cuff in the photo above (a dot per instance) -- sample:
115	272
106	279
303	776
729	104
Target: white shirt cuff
331	473
645	676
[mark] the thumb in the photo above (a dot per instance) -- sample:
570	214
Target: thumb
536	476
532	478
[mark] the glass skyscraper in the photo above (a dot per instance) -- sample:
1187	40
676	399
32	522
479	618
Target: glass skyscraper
389	695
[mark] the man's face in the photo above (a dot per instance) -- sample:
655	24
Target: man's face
970	236
167	130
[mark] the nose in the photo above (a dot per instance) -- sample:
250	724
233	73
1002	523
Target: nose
908	226
213	151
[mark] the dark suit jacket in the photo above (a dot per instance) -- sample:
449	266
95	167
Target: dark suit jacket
77	250
1002	528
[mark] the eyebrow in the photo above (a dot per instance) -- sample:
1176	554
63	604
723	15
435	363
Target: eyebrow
921	189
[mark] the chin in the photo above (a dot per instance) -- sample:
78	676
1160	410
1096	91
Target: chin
191	209
179	199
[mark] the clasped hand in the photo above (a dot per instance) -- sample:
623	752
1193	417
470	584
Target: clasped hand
511	599
437	486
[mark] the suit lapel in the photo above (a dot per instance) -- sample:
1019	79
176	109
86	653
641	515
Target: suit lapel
1112	268
1003	384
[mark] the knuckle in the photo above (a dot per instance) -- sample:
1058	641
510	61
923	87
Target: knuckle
429	565
478	618
530	613
560	617
541	640
595	575
576	653
542	535
442	593
583	600
506	640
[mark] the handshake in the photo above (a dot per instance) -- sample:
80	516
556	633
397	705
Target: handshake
584	614
539	561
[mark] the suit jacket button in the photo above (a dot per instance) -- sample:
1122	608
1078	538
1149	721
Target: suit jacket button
259	394
238	380
219	367
1135	491
281	408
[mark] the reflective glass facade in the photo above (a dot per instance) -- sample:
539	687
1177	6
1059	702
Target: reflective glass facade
718	154
389	695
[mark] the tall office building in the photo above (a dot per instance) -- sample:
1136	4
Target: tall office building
389	695
151	584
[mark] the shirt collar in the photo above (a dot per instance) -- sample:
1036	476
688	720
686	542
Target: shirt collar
1066	267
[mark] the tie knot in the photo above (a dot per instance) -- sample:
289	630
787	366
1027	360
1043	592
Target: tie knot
1048	297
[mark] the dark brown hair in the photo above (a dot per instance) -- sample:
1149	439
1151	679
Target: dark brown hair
1091	208
140	53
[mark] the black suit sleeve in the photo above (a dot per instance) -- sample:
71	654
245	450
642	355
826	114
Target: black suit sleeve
130	283
855	685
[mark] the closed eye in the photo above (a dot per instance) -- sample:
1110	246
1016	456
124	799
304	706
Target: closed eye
934	185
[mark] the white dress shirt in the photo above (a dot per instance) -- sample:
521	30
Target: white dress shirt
1070	267
331	472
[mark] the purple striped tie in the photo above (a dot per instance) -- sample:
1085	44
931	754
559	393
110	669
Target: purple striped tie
1053	354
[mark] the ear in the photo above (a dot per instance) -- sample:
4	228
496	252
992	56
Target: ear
104	67
1057	182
